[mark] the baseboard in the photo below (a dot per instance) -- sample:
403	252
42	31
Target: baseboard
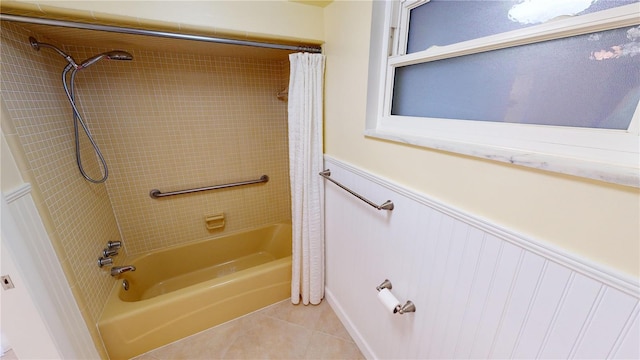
349	326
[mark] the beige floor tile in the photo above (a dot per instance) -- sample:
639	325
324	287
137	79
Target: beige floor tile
304	315
324	346
330	324
280	331
223	336
193	347
270	338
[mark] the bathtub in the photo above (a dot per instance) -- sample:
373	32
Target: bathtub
182	290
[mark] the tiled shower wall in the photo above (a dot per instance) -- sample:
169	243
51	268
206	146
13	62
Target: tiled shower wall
78	215
164	120
178	121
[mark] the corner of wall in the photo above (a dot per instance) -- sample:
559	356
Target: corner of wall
15	166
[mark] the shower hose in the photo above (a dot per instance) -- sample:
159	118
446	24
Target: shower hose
77	119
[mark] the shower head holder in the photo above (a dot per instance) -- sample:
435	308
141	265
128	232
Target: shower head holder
35	44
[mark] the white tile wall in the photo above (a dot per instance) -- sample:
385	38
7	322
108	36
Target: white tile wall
480	290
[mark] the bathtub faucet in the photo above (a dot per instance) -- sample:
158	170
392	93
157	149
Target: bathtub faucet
117	270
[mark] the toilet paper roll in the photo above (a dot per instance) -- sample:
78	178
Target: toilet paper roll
388	300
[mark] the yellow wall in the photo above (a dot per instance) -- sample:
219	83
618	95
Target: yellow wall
272	19
594	220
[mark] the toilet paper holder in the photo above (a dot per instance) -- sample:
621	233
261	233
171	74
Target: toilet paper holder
408	306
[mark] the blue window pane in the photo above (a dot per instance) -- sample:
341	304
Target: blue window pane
583	81
445	22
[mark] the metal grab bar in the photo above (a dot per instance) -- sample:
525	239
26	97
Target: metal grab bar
387	205
155	193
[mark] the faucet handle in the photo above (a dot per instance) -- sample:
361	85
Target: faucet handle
114	245
105	261
109	253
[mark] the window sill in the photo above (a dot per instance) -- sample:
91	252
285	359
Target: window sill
611	173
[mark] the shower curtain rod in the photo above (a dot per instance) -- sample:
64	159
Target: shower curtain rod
165	34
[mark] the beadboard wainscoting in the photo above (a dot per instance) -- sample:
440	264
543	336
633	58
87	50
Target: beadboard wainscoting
25	236
480	291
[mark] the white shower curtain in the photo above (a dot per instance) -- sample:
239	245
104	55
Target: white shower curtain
307	187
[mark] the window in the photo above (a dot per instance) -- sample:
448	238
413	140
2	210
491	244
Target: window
526	82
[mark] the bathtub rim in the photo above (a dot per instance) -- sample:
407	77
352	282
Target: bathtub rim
112	312
133	257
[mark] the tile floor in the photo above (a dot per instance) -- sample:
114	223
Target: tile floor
9	355
280	331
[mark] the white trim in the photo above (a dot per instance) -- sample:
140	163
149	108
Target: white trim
17	193
22	322
586	267
357	337
405	7
35	257
602	171
600	154
600	21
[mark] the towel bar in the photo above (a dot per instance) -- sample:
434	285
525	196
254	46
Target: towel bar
387	205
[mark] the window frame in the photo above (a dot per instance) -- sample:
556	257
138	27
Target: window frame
601	154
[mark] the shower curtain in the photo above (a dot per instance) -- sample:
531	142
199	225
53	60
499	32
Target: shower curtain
307	188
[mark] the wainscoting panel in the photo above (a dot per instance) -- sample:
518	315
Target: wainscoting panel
480	290
25	235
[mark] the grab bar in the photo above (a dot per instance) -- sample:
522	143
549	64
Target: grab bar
155	193
387	205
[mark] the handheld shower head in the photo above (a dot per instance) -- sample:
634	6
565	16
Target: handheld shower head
73	67
36	45
110	55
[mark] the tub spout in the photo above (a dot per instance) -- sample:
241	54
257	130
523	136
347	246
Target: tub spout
117	270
